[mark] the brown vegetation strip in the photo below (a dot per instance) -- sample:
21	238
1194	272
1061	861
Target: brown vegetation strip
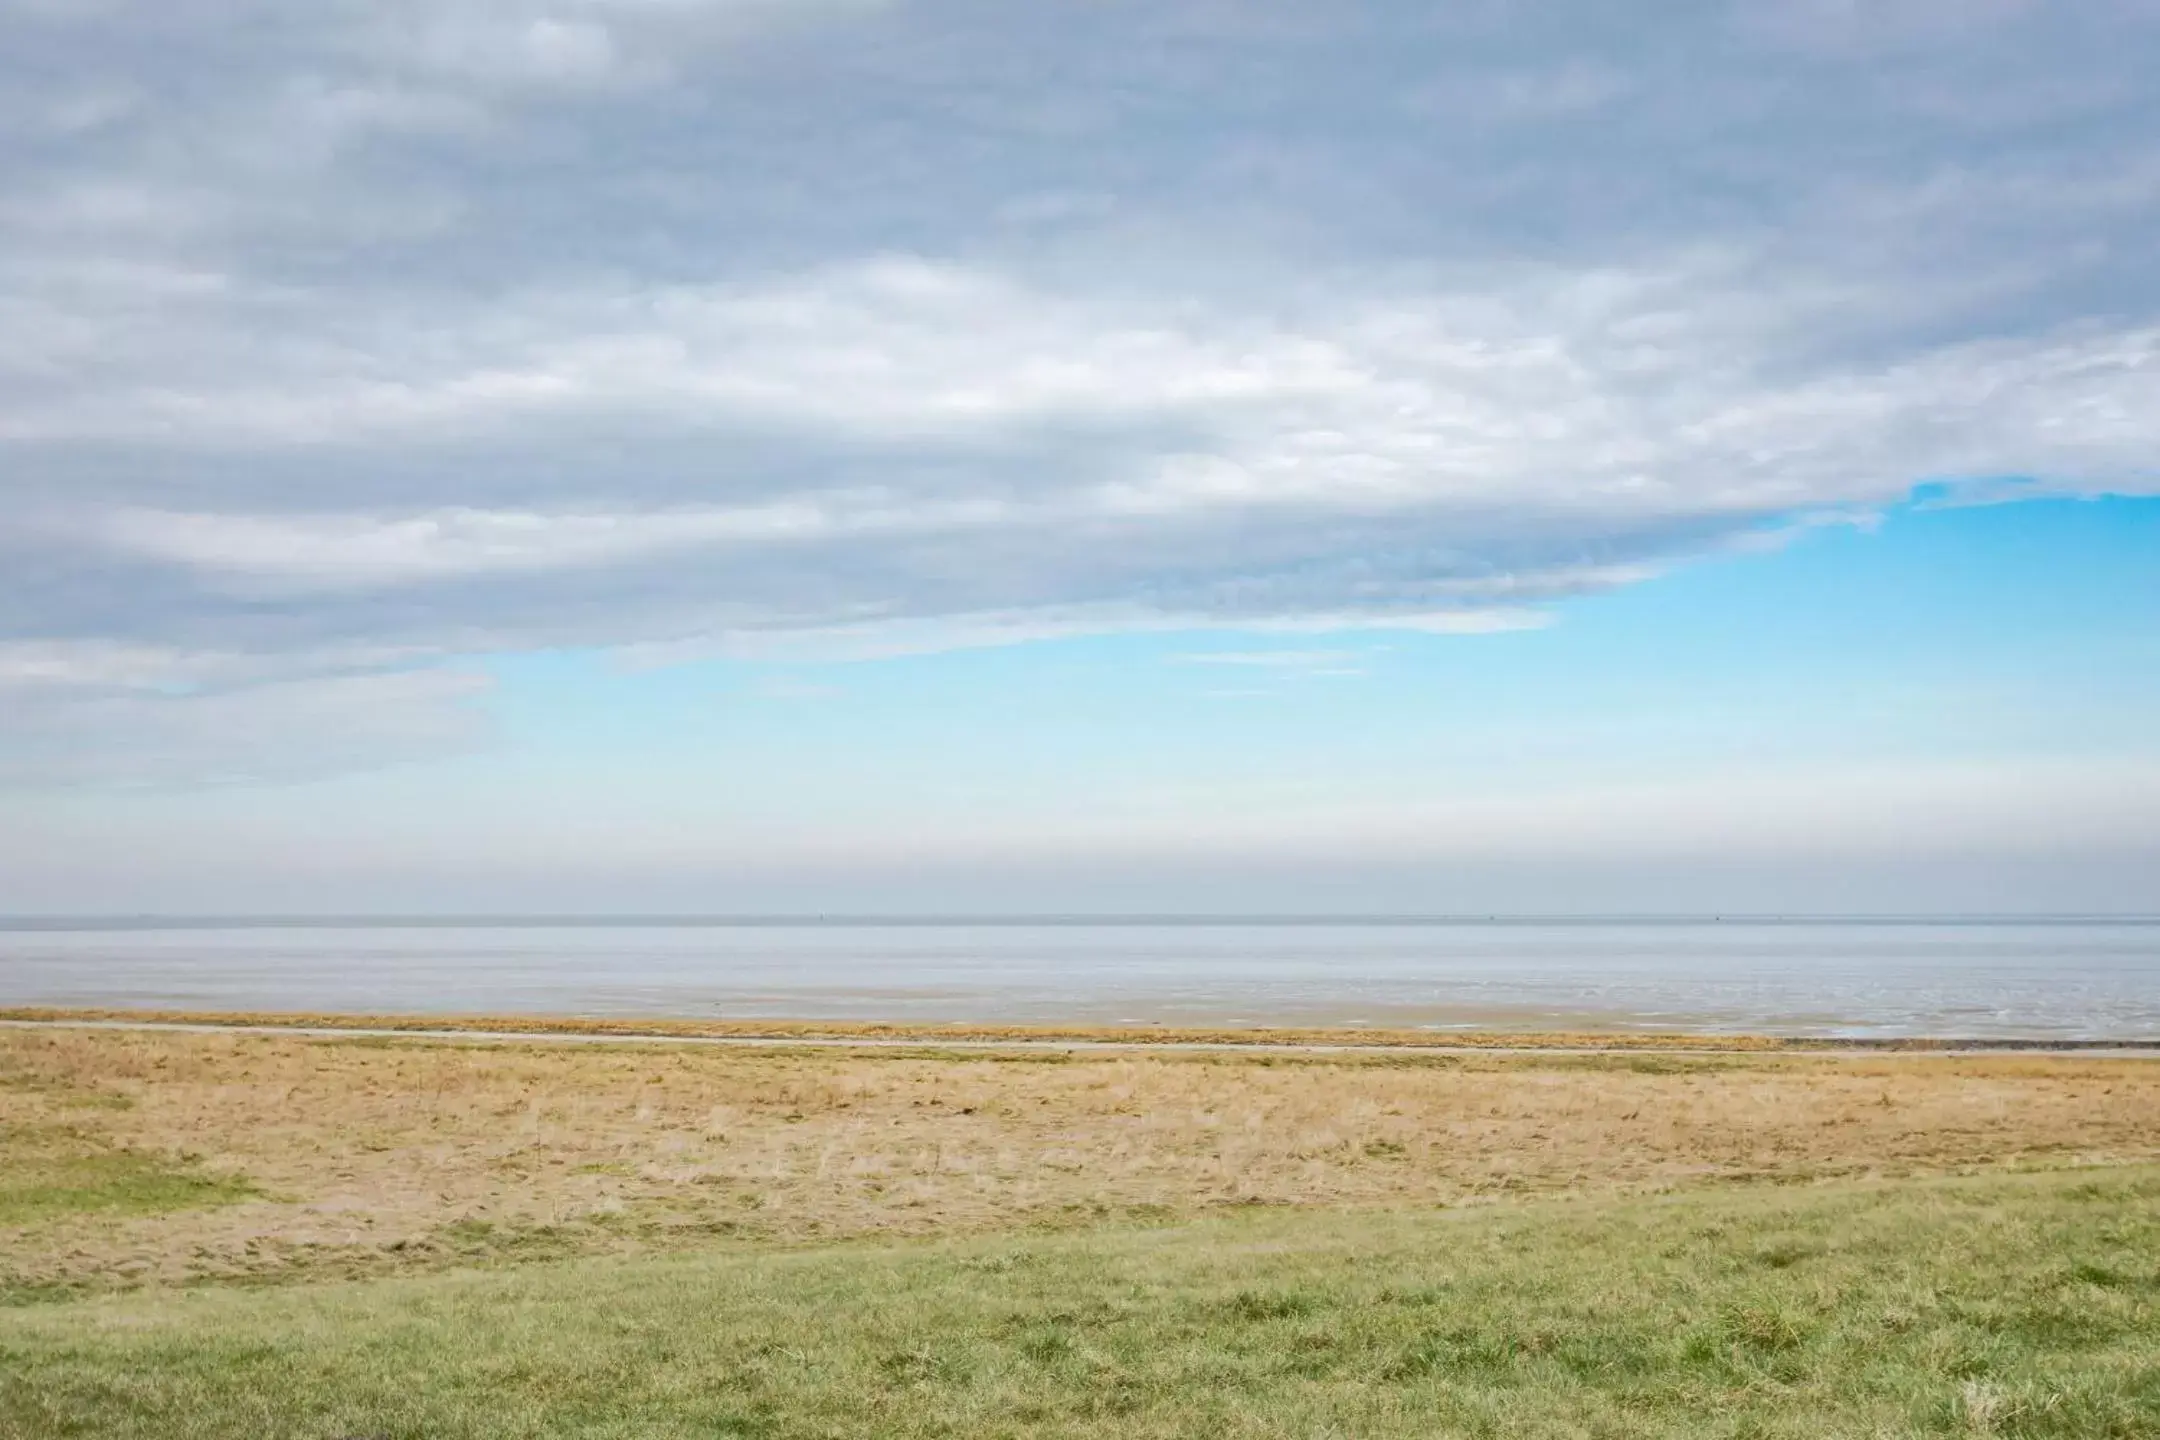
971	1033
373	1153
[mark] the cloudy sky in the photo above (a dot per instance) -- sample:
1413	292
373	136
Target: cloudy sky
943	454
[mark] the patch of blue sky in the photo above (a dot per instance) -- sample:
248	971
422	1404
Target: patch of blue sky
1999	630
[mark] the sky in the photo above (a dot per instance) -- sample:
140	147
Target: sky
894	455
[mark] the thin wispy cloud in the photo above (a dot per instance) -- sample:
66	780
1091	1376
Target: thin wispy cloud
792	688
1290	663
1277	659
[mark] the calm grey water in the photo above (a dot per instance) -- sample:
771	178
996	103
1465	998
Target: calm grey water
2064	979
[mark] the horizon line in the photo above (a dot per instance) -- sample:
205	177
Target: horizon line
147	919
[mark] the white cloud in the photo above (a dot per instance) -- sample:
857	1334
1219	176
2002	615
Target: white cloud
301	553
43	669
413	330
884	639
100	665
1858	28
1568	88
1676	386
1477	446
503	45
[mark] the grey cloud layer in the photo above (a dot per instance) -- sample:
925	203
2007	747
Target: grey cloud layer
354	338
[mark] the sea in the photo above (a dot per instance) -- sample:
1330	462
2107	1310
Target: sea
2055	978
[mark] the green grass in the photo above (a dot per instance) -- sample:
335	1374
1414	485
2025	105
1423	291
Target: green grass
57	1171
2012	1306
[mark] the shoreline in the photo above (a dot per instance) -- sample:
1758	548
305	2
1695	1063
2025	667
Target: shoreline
890	1035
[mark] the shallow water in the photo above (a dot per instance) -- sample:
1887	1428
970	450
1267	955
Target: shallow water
2059	979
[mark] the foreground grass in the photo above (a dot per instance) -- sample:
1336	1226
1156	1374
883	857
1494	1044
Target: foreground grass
2008	1305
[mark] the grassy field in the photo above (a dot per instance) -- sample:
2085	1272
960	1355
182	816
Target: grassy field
269	1235
2012	1306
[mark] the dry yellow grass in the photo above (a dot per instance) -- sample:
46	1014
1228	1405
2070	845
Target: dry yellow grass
374	1154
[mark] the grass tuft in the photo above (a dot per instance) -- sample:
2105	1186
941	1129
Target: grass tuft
59	1172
